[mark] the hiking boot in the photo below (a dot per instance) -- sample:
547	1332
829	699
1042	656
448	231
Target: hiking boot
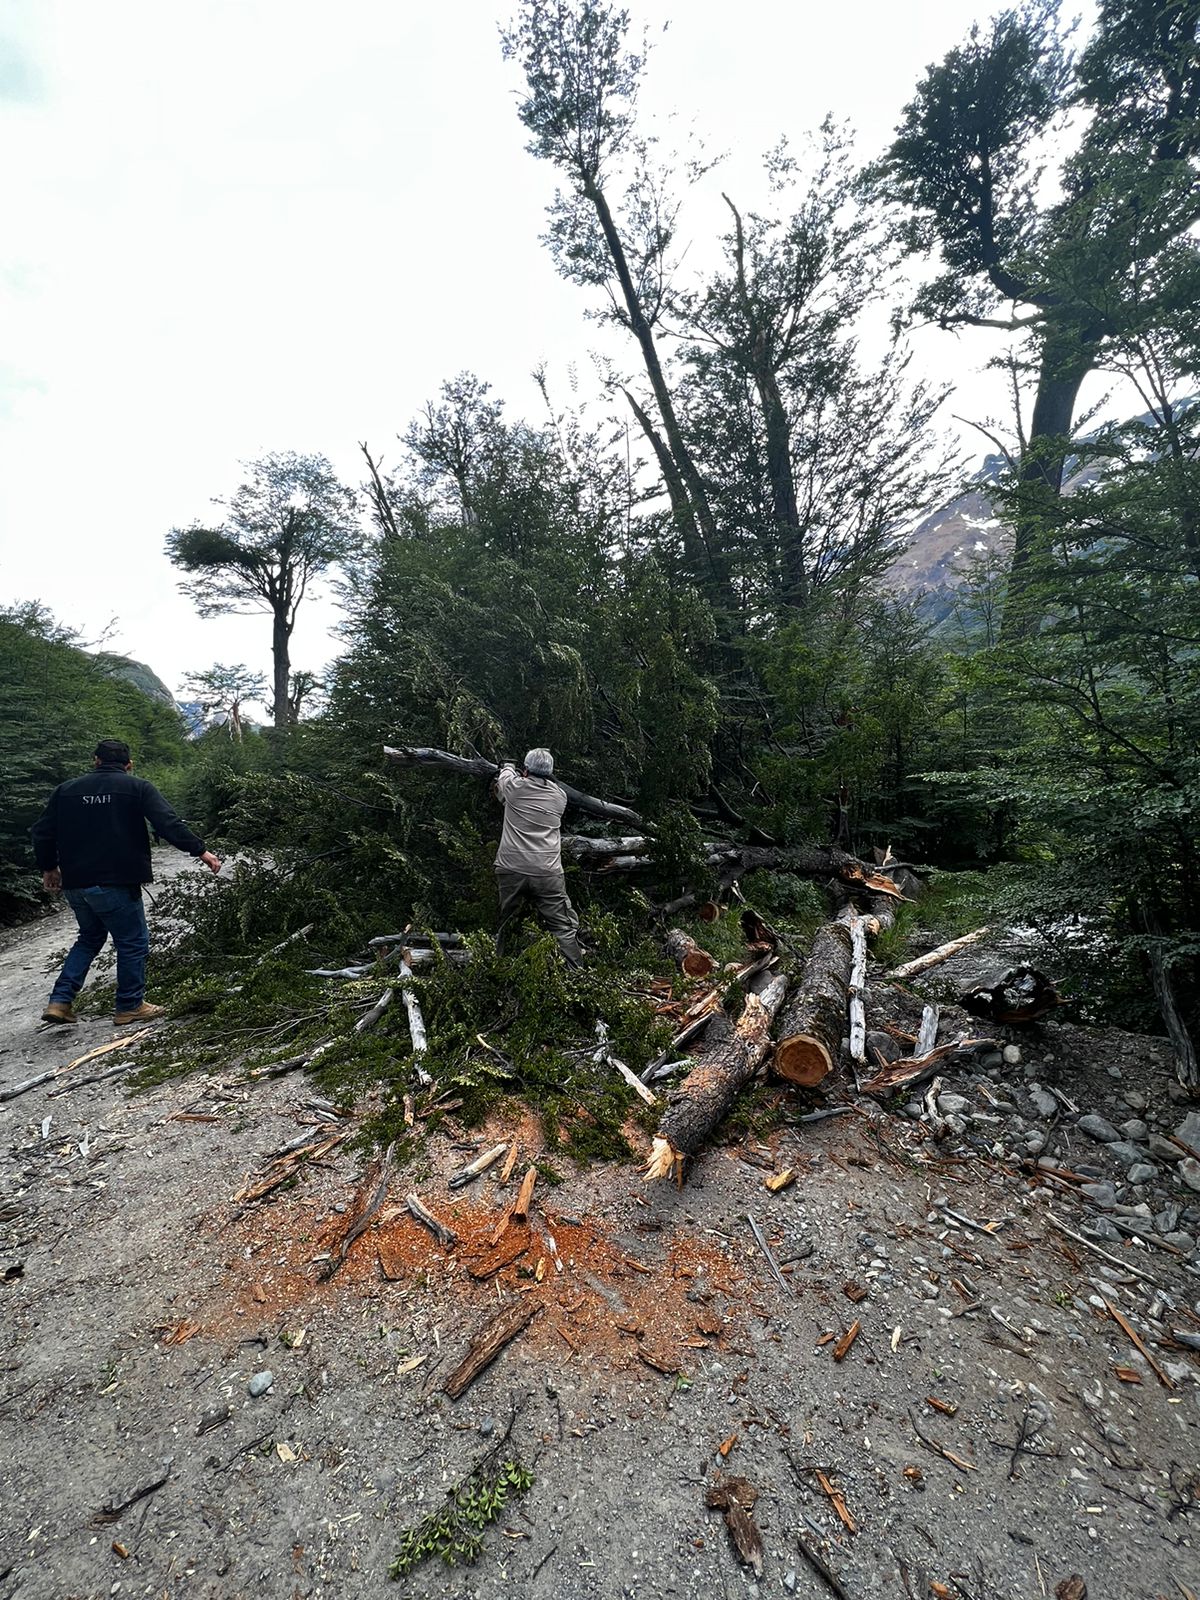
60	1011
144	1013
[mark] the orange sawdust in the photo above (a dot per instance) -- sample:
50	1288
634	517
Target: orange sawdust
655	1310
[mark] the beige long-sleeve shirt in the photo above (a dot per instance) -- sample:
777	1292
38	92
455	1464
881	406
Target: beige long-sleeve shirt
533	808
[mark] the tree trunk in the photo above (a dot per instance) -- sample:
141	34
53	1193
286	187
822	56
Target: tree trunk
281	660
1059	380
812	1027
705	523
731	1056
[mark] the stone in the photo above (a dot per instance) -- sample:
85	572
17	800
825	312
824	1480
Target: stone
1100	1194
1035	1144
1012	1055
953	1105
993	1058
259	1384
790	1581
1135	1128
487	1427
1102	1228
1167	1219
1124	1152
1189	1130
1189	1170
1163	1150
1181	1240
1043	1103
1135	1100
1142	1172
1098	1127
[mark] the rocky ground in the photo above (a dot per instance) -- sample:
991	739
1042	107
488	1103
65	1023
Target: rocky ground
191	1405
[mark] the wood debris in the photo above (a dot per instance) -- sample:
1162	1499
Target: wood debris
736	1498
1138	1343
487	1344
842	1348
477	1167
441	1231
781	1180
363	1213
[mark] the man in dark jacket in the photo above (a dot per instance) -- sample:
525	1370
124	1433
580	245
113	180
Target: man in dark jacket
91	843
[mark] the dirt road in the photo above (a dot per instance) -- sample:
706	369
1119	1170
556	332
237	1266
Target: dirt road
139	1302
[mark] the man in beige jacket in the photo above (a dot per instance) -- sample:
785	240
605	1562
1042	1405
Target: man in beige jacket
529	860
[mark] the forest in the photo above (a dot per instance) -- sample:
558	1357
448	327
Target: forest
688	592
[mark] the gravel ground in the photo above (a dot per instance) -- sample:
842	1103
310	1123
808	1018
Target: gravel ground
139	1301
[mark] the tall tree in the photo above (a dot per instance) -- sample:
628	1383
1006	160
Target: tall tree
1078	269
289	523
580	109
225	690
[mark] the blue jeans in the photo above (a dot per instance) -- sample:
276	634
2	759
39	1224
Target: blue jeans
102	910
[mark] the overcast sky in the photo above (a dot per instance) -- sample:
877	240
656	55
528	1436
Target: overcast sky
233	226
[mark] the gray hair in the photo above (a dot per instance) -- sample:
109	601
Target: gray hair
539	763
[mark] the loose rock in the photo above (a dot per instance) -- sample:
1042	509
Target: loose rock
1098	1127
259	1384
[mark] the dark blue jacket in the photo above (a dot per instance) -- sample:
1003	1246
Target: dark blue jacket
94	829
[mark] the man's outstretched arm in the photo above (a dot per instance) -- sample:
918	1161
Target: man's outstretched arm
168	824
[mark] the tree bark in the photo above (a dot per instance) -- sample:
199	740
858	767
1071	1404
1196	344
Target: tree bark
282	664
812	1027
731	1056
1059	382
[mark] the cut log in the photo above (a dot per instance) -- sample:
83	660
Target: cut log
814	1022
934	958
524	1198
488	1343
477	767
858	988
589	851
687	954
1022	994
731	1056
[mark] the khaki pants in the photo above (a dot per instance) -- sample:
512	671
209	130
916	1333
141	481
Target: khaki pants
548	893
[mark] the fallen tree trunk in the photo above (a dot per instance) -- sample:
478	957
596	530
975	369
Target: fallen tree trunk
731	1056
477	767
815	1020
687	954
934	958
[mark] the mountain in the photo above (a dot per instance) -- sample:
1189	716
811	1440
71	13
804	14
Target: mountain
138	674
964	527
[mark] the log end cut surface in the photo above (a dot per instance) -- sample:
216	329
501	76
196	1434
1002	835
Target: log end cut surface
803	1060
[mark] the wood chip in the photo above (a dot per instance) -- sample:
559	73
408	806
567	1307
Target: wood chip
510	1162
837	1501
842	1348
727	1445
781	1180
1128	1374
525	1197
854	1291
944	1406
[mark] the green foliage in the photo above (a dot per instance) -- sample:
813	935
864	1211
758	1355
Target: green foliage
56	702
455	1533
